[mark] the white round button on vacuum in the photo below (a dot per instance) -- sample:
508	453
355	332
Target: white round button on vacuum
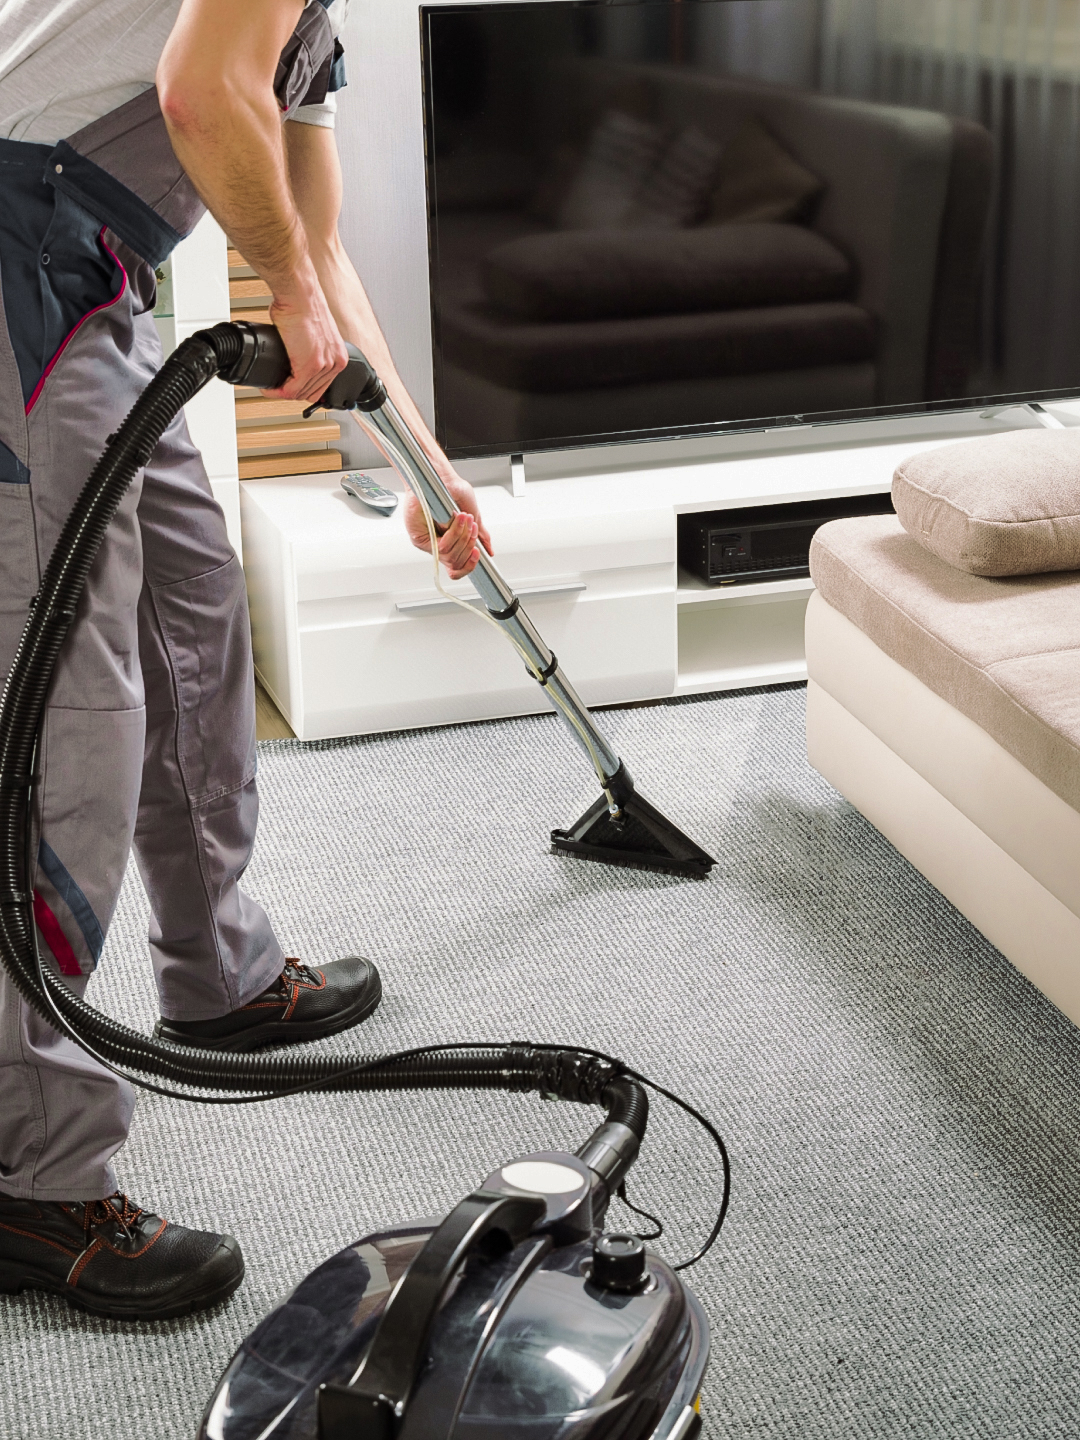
542	1177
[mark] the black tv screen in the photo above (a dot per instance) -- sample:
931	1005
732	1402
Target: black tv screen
676	217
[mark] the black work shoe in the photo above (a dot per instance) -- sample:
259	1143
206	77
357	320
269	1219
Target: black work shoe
302	1004
111	1258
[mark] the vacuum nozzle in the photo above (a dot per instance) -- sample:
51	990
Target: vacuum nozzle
637	834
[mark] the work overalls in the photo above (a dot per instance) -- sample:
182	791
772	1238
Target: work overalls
149	738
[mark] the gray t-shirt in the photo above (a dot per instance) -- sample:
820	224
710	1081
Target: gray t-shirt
64	63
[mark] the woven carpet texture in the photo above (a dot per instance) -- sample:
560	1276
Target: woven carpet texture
902	1107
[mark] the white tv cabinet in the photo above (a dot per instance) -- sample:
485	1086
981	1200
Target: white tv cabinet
351	636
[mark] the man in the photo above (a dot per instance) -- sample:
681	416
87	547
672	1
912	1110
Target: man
119	121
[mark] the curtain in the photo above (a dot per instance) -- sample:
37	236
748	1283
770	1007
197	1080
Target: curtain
769	39
1014	66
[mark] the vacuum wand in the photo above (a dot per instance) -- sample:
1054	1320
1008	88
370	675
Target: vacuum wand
620	828
399	444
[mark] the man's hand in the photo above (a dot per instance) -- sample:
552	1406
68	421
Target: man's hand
316	349
457	543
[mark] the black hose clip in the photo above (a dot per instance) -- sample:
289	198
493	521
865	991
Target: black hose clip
55	612
567	1075
543	676
507	614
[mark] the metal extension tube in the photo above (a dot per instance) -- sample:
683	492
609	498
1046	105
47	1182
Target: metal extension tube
395	438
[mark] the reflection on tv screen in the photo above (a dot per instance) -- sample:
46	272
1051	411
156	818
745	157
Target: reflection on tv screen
664	218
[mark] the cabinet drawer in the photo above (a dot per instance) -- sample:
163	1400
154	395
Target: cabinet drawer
351	636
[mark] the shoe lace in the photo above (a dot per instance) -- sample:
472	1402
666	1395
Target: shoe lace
295	969
115	1208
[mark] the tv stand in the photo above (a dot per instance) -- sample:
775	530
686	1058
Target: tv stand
517	475
350	637
1033	408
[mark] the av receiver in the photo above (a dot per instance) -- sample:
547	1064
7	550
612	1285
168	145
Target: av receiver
763	542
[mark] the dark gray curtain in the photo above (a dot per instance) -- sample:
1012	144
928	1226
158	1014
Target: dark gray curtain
1013	65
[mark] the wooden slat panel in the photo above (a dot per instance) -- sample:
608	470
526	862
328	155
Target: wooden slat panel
236	260
270	409
257	317
258	467
248	289
304	432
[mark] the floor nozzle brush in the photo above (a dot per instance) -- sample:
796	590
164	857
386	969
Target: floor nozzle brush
638	836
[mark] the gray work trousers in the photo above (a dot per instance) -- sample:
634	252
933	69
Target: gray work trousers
149	740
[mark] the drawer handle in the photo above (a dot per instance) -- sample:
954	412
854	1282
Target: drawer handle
537	592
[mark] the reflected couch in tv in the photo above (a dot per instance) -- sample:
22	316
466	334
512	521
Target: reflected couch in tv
905	204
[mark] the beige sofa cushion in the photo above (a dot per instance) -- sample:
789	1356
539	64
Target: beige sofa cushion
1005	652
1005	505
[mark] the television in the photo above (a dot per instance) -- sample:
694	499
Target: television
677	218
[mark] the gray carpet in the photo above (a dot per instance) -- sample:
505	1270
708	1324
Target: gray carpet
902	1252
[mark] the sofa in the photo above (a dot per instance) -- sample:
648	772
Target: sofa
943	656
903	205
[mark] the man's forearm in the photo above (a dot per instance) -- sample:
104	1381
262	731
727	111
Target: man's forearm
315	176
356	320
235	160
316	181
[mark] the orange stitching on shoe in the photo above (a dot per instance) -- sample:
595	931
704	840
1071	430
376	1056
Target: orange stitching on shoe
82	1262
299	985
294	996
134	1254
30	1235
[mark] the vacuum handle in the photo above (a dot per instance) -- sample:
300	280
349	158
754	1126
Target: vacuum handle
264	363
371	1407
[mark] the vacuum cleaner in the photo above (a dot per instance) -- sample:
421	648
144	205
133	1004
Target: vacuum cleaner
517	1315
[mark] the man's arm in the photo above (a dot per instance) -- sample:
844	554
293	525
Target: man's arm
315	178
215	84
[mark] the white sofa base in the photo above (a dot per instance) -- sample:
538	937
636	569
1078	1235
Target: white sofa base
1001	896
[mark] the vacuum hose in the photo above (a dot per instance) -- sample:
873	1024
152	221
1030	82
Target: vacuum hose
239	354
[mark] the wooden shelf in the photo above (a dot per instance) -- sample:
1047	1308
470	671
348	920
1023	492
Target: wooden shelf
258	408
255	416
254	289
304	432
260	467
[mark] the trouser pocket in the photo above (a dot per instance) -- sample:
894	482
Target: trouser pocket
18	567
91	767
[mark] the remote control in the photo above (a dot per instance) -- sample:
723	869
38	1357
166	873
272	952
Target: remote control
361	487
